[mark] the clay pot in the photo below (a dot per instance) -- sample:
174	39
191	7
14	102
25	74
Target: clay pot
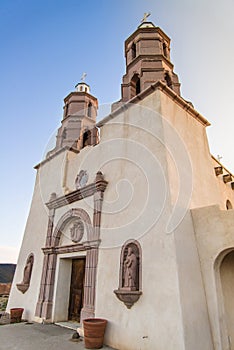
94	330
16	314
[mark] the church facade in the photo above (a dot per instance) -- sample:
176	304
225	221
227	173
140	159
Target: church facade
131	218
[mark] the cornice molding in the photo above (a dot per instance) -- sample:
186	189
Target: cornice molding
81	193
152	57
148	91
52	155
72	248
147	30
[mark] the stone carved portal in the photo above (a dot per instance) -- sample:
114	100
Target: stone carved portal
24	285
130	274
52	247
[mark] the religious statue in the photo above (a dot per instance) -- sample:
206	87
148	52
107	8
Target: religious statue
130	270
24	285
129	290
28	270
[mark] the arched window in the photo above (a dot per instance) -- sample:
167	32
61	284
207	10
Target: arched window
133	50
228	205
90	106
135	85
138	86
168	80
87	138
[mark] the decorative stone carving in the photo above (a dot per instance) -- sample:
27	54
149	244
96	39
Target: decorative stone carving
130	270
77	231
24	285
128	298
81	179
45	299
130	274
99	176
53	196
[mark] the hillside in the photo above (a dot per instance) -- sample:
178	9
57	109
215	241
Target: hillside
7	272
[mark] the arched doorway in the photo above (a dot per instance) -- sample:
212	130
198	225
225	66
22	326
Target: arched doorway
227	286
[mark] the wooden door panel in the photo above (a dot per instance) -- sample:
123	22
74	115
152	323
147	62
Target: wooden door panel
76	291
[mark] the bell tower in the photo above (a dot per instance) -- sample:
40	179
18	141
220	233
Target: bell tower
147	53
79	119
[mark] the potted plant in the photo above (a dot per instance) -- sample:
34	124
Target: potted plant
94	330
16	314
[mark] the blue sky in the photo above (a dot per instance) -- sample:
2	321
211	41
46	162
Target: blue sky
46	45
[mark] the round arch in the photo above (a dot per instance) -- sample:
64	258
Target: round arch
224	270
65	218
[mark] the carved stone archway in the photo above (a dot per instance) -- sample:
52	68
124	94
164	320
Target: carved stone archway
52	248
69	215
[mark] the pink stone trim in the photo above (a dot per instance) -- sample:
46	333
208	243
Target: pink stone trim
45	299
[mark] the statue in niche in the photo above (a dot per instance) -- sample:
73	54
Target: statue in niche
130	270
28	270
129	290
24	285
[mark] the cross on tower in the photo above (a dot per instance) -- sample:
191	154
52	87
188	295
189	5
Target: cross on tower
83	76
146	15
219	157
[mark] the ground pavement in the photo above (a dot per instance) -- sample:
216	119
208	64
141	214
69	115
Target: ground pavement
24	336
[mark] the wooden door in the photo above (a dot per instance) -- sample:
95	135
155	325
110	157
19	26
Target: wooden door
77	289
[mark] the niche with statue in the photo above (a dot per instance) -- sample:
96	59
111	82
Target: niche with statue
129	290
24	285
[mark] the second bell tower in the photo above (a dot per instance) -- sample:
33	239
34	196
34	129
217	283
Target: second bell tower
147	53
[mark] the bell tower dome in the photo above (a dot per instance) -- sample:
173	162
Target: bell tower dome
147	53
79	119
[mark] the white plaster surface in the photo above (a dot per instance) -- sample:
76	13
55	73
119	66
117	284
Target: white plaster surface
152	184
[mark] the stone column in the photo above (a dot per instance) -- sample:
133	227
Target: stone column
88	309
44	305
92	254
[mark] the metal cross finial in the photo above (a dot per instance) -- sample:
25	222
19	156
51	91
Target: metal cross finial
83	76
146	15
219	157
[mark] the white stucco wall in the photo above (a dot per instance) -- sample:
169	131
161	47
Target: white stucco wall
148	199
173	311
214	236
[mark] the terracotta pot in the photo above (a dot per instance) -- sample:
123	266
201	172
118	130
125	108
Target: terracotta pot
94	330
16	314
